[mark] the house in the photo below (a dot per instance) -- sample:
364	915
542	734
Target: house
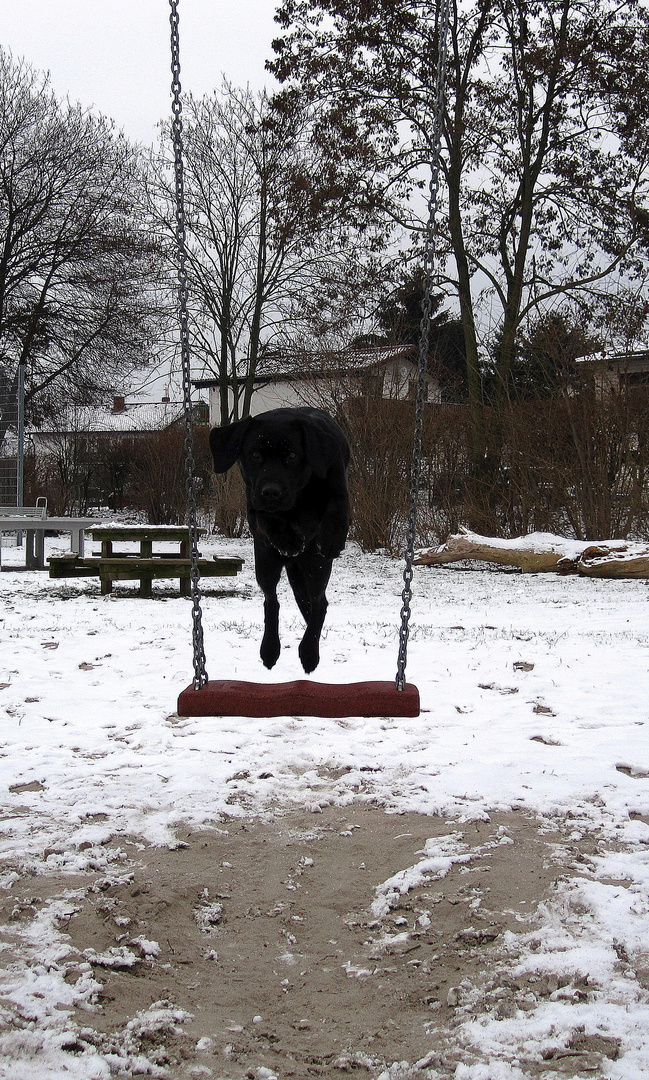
629	369
111	423
617	371
378	371
85	459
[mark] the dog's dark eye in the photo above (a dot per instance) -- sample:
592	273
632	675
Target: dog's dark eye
256	455
291	456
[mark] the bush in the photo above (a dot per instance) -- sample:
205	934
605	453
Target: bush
157	480
378	478
576	465
141	474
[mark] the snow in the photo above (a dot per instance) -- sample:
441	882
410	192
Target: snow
534	691
429	869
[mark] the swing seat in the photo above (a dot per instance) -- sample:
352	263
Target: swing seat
227	697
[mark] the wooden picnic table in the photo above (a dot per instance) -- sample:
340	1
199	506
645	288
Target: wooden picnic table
145	564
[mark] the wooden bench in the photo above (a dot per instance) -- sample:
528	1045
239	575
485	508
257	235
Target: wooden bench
144	564
134	567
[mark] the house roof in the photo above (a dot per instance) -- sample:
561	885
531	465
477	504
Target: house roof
620	362
629	362
285	367
132	418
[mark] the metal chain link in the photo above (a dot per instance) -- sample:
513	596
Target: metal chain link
200	673
430	252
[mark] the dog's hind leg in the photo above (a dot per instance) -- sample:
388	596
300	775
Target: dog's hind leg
268	570
308	576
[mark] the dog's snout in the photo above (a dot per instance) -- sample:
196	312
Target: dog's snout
271	492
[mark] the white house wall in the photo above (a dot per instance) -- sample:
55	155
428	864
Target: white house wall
276	395
398	383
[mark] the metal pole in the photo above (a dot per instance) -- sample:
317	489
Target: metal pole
20	459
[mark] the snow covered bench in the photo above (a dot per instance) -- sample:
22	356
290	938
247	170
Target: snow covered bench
31	512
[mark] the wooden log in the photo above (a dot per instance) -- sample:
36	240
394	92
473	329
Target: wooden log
543	552
612	567
530	557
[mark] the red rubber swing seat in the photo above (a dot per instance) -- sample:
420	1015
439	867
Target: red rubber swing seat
227	697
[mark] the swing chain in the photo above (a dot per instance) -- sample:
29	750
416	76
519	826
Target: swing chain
200	673
430	251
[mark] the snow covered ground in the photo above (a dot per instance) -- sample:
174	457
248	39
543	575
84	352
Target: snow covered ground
534	692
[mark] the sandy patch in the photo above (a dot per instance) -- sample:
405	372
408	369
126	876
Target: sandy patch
350	941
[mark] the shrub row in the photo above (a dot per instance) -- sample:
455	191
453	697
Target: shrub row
574	465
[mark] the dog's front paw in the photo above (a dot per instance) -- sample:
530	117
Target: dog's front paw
270	650
291	552
328	551
331	543
281	535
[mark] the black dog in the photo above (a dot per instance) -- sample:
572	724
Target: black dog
294	464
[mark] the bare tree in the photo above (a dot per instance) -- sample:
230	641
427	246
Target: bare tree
269	250
545	156
78	268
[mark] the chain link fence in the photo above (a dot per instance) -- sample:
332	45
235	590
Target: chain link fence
10	455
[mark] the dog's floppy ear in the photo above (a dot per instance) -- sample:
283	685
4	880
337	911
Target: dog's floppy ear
322	449
226	442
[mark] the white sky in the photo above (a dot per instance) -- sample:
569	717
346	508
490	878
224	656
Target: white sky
114	55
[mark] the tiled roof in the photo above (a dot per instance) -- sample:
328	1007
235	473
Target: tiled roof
281	366
132	418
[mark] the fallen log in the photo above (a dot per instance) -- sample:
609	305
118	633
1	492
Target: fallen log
625	566
544	552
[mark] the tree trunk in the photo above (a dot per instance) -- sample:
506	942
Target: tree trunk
542	552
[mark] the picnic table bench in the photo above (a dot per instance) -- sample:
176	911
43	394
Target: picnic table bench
145	564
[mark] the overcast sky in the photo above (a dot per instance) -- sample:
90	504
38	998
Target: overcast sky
113	55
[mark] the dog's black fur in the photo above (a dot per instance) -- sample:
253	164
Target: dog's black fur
294	465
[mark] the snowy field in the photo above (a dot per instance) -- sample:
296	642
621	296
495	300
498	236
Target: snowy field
534	692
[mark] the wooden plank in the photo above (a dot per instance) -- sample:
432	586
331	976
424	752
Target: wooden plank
137	532
130	568
63	566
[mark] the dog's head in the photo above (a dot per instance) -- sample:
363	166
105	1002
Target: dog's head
278	453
